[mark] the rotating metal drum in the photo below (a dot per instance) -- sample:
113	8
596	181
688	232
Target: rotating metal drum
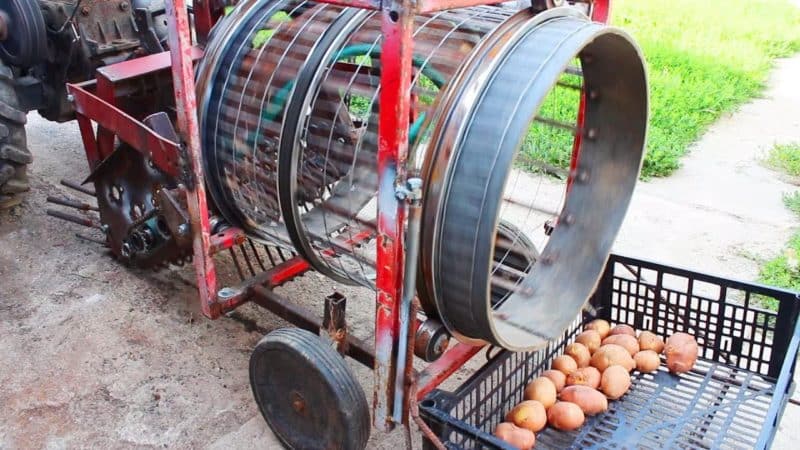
511	246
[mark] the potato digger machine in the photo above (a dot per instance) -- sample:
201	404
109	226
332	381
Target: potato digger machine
395	145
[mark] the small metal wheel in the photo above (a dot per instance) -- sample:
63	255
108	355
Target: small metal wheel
306	392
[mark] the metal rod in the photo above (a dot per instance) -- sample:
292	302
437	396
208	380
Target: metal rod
71	203
78	187
414	186
555	123
91	239
301	317
397	24
180	46
85	221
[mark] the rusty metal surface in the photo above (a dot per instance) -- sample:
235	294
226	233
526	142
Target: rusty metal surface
301	317
334	321
180	44
163	152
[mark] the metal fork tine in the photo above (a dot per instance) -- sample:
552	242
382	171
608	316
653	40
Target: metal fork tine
71	203
78	187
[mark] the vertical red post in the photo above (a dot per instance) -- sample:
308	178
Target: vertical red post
396	52
180	47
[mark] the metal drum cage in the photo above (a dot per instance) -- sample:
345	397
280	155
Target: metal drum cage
289	114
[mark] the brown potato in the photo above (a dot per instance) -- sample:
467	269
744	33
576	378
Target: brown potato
565	364
515	436
557	377
612	354
542	390
591	339
615	382
681	351
590	400
625	340
601	326
650	341
579	353
585	376
622	329
529	414
565	416
647	361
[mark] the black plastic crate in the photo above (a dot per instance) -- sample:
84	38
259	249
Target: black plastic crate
733	398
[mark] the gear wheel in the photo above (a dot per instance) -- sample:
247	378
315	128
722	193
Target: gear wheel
14	153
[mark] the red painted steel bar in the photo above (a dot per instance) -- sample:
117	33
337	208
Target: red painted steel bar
135	68
441	5
397	27
180	45
601	10
363	4
442	368
163	152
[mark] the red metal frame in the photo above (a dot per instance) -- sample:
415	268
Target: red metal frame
95	101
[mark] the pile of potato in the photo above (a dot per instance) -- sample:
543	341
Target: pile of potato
592	370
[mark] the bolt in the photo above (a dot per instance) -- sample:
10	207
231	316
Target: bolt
226	292
583	176
70	98
85	10
105	228
414	187
592	133
123	6
183	229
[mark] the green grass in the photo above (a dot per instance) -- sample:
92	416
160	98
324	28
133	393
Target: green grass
786	158
704	58
792	201
784	270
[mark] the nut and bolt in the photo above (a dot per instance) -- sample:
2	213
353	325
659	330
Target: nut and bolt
411	191
85	10
123	6
183	229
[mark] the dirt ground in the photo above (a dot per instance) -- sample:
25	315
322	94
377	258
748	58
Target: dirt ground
96	355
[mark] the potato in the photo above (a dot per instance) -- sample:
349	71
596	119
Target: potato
615	382
591	339
647	361
590	400
622	329
650	341
625	340
565	364
612	354
601	326
529	414
579	353
585	376
515	436
557	377
565	416
542	390
681	352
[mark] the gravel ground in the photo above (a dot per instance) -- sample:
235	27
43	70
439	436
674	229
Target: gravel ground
96	355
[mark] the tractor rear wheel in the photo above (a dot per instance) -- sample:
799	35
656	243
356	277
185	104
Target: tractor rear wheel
14	153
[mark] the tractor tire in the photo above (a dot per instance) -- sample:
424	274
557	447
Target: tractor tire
14	153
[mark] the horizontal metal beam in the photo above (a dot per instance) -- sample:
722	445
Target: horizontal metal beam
163	152
303	318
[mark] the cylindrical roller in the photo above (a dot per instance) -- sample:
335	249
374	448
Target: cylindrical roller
512	246
511	252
